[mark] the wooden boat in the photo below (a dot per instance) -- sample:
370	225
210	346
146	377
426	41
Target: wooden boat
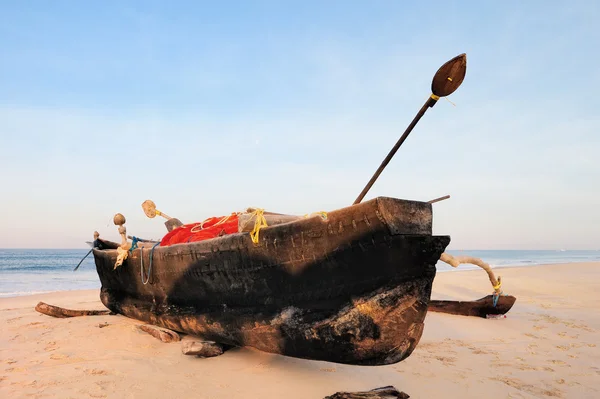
351	288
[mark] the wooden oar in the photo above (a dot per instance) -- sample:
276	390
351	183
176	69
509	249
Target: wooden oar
150	210
446	80
94	245
82	259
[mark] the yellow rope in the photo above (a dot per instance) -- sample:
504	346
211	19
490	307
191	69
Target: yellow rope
499	285
259	223
195	229
122	254
323	214
450	101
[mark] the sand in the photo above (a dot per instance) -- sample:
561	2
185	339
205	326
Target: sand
546	347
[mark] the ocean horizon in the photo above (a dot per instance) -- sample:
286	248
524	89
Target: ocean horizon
36	271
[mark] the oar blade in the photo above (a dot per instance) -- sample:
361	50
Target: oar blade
450	76
149	208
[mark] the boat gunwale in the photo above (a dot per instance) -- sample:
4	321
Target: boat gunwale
176	248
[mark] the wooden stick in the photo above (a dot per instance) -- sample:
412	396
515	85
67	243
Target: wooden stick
377	393
62	313
201	348
164	334
428	104
246	220
143	240
433	201
82	259
445	81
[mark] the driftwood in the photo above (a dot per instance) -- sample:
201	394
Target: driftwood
388	392
62	313
164	334
202	348
480	308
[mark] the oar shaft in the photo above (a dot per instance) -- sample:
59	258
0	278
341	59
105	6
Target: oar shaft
433	201
81	261
428	104
159	213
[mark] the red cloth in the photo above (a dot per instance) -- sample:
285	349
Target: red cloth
201	231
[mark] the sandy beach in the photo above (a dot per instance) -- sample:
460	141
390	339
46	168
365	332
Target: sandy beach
546	347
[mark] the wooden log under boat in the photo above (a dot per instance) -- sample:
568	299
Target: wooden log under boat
352	288
388	392
63	313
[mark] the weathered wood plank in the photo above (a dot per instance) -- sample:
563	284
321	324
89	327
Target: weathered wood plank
164	334
202	348
246	220
388	392
62	313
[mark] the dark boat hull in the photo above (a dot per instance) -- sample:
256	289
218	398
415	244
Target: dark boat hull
353	288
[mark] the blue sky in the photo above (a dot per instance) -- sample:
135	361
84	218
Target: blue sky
208	108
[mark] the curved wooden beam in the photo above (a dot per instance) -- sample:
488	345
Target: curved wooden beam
455	261
62	313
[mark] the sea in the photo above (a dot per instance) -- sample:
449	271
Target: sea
36	271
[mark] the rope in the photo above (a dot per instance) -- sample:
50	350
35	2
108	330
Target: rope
498	287
496	296
259	223
142	264
201	225
134	242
